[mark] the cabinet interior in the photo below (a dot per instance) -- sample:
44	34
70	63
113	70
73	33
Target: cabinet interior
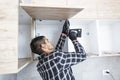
50	13
99	37
24	38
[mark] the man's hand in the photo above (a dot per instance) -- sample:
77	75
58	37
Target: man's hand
66	27
72	35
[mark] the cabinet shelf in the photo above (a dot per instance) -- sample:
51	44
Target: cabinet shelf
11	65
23	62
50	13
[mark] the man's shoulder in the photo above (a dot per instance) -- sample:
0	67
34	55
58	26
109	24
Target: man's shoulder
58	53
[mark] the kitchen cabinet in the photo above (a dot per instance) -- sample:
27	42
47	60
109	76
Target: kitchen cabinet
48	3
90	8
99	37
10	46
49	9
96	9
38	11
108	9
108	37
17	29
8	37
15	35
93	9
49	13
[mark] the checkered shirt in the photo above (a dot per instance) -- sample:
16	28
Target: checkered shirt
57	64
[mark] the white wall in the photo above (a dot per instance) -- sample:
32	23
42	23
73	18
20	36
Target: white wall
8	76
91	69
51	29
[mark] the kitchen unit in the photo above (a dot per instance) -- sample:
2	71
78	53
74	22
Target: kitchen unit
100	25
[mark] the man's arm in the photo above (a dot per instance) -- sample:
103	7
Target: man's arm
71	58
63	36
61	42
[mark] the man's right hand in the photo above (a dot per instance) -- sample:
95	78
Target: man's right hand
72	35
66	27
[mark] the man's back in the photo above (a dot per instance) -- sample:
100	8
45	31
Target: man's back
51	67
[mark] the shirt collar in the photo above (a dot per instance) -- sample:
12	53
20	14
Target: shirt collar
41	56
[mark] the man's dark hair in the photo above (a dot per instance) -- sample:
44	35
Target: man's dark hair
36	44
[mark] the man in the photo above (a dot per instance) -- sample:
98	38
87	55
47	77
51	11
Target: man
55	64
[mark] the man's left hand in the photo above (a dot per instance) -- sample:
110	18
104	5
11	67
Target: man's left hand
66	27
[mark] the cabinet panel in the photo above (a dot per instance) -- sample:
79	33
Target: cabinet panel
58	3
40	2
102	9
87	13
54	3
50	13
81	3
8	37
90	9
108	8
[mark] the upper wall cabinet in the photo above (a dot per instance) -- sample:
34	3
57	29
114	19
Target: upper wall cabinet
8	37
55	3
99	37
49	9
90	9
93	9
14	39
109	9
98	9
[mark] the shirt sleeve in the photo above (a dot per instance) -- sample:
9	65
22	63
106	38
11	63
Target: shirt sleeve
71	58
60	43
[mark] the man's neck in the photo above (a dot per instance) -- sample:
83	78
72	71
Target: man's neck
48	52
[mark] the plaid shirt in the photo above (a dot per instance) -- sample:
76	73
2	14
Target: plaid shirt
57	64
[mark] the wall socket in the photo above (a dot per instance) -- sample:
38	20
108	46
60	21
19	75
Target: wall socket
106	72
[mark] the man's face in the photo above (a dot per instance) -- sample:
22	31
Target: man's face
48	47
